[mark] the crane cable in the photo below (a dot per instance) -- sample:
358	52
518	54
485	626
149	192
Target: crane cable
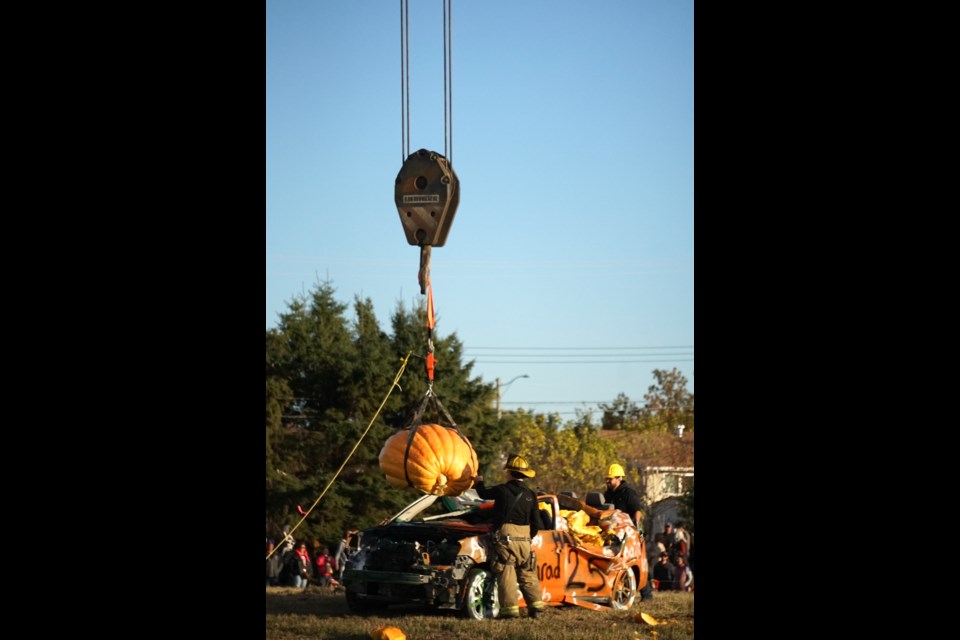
447	82
405	80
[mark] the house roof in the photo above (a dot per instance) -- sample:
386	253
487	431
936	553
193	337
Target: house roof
648	449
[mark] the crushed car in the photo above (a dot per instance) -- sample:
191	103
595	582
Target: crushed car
434	553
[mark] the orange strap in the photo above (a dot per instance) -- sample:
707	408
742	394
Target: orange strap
430	323
431	361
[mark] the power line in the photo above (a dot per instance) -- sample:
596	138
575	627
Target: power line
579	355
580	361
594	355
556	402
689	346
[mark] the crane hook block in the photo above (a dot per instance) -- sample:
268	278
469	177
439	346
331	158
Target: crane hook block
427	193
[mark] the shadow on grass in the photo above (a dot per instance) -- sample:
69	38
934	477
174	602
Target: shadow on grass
326	603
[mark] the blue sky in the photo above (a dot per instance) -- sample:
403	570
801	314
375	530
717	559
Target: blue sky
571	256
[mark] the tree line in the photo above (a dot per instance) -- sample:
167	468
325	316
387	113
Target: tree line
327	374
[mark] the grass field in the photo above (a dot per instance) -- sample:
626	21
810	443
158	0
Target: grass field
292	614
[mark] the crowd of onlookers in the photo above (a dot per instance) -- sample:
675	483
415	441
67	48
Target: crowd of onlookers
294	565
673	569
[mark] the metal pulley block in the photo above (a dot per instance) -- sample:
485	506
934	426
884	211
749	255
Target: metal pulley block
427	193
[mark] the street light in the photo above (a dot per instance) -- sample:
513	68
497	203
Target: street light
499	393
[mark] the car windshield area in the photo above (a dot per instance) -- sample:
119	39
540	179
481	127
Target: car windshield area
466	507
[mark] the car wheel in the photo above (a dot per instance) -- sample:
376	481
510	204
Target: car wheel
480	599
624	590
362	606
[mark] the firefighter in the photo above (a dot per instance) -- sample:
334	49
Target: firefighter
516	523
623	496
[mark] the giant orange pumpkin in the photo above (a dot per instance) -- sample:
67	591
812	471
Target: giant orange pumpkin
439	460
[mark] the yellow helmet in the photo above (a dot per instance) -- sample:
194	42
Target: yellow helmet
615	471
518	464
